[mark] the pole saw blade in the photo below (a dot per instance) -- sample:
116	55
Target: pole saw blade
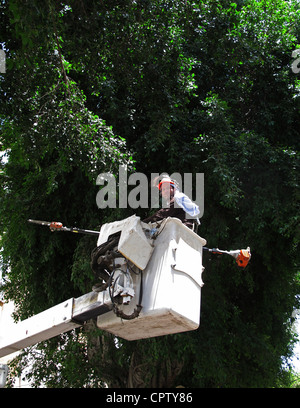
40	222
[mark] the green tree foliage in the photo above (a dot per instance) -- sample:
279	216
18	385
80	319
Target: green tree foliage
189	87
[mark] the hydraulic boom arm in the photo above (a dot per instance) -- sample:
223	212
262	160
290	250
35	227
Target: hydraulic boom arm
54	321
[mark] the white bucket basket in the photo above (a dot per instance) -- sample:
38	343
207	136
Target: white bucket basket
171	285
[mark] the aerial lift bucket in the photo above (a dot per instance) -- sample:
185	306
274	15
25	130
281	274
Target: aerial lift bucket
170	285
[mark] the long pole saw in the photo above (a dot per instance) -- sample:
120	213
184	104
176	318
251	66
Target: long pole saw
242	256
57	226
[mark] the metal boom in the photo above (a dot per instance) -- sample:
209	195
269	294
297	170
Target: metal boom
54	321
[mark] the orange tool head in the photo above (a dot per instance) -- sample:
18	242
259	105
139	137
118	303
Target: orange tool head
55	225
243	258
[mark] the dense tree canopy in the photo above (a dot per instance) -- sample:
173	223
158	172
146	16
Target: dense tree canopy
177	86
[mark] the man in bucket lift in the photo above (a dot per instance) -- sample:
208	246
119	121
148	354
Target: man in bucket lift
171	194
